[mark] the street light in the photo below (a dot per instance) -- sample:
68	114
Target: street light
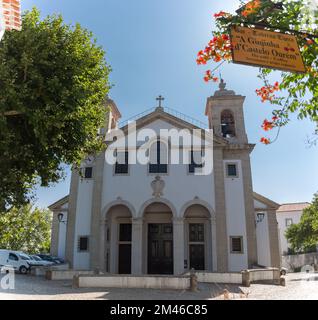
60	217
260	217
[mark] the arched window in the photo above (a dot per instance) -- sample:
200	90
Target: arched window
158	157
227	124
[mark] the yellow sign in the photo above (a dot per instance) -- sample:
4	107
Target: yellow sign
267	49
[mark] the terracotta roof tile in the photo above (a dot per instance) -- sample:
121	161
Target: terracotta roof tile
293	206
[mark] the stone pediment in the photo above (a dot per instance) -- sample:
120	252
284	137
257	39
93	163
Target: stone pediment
268	204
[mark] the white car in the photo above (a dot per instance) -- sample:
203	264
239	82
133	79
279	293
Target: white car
14	259
37	261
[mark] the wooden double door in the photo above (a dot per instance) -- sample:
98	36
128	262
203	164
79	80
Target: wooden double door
160	248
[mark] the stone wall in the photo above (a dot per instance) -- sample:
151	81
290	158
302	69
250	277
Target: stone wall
299	260
218	277
145	282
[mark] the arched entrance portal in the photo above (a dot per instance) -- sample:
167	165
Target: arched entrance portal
198	240
118	240
158	237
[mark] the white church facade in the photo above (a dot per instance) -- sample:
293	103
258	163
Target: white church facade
160	217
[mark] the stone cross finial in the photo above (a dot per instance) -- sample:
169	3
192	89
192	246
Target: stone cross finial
160	99
222	85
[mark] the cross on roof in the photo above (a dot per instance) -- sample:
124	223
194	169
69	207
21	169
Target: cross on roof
160	99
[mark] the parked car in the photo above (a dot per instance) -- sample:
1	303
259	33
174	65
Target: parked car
16	260
49	258
37	261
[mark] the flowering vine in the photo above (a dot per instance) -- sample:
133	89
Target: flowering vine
267	91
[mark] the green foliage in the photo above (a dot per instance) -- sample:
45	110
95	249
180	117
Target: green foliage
303	236
56	78
301	89
25	229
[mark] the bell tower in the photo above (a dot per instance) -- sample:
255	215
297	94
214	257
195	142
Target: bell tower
225	114
233	192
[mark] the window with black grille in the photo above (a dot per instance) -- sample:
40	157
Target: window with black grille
83	242
232	170
88	173
158	158
236	244
121	166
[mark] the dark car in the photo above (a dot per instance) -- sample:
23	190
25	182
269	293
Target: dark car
48	257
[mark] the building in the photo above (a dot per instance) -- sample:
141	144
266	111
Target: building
288	214
160	217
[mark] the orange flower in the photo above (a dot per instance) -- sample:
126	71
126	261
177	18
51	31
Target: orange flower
220	14
276	86
217	49
225	37
267	125
265	140
245	13
251	8
309	41
209	76
267	92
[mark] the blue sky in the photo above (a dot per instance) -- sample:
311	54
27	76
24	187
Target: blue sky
152	46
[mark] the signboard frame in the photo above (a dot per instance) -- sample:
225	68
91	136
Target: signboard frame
263	65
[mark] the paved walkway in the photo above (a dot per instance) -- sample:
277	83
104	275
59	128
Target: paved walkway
37	288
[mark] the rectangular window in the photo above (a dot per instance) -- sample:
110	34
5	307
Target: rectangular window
196	161
196	232
158	158
288	222
83	243
88	173
236	244
125	232
121	166
231	170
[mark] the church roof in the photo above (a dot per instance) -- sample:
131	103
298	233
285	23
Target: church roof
179	115
269	203
173	117
59	203
114	108
300	206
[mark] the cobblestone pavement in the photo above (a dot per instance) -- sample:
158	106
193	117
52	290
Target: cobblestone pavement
37	288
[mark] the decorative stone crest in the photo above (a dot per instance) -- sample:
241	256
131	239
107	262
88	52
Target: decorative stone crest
157	186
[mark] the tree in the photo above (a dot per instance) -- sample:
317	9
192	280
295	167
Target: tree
54	82
25	229
299	91
303	236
